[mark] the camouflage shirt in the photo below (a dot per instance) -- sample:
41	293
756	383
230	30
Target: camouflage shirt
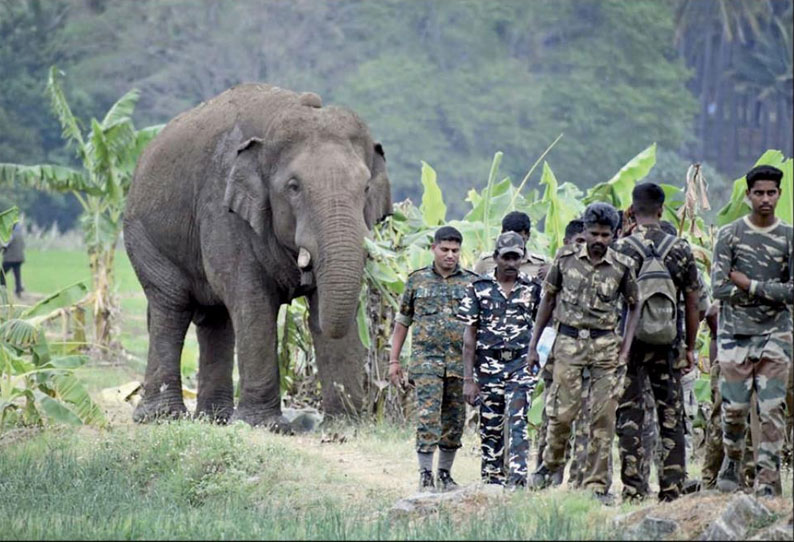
765	256
587	294
430	302
679	260
503	323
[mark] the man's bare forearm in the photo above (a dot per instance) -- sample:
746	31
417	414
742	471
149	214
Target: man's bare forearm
469	346
397	341
632	318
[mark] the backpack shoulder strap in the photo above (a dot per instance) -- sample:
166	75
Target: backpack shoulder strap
665	246
638	246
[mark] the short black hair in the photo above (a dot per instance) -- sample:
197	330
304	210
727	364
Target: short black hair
447	233
574	227
668	227
763	173
600	213
516	221
647	199
619	226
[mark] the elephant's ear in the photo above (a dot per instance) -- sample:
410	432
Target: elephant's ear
246	190
378	205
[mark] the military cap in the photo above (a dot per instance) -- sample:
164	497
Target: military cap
510	242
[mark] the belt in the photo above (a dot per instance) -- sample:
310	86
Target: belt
580	333
505	354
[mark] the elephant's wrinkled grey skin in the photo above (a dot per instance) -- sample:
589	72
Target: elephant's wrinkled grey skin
223	202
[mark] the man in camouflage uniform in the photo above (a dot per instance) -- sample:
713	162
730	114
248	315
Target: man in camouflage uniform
532	265
714	451
752	278
649	435
430	301
583	288
660	364
498	311
574	234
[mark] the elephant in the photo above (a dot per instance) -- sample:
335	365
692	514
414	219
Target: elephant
239	205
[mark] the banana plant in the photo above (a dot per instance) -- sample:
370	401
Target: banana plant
108	152
38	384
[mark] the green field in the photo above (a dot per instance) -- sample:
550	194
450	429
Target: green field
192	480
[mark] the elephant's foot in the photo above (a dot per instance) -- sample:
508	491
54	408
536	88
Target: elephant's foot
258	416
215	411
157	410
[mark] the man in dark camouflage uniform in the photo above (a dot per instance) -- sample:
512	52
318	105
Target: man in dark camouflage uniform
583	288
752	278
429	302
498	310
658	363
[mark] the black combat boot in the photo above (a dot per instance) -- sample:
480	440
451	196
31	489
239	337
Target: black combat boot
426	481
728	478
445	482
541	478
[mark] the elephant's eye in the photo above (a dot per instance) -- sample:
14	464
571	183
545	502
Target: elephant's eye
293	186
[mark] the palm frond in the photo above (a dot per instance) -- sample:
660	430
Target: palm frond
47	177
121	111
69	123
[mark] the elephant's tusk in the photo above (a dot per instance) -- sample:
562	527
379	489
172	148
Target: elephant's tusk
304	258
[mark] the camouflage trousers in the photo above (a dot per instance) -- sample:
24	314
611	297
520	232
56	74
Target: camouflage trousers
441	412
714	447
649	437
759	362
690	411
544	420
505	396
665	385
581	434
572	356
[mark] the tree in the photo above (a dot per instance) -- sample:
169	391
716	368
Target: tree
108	153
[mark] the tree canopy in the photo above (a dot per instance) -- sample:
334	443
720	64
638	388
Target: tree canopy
445	82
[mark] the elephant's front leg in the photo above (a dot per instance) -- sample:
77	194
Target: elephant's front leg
254	315
340	365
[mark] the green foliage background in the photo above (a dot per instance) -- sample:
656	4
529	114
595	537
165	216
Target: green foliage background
445	82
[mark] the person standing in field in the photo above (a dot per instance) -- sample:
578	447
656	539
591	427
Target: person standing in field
659	353
583	287
752	278
532	265
498	311
13	258
429	303
574	234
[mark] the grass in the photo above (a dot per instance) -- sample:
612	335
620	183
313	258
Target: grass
188	480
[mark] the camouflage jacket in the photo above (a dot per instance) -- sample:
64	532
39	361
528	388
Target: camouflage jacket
679	261
765	256
503	323
430	302
530	264
587	295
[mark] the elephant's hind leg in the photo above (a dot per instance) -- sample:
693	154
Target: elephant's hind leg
162	394
216	362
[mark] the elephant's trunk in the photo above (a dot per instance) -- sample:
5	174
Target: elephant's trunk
339	267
